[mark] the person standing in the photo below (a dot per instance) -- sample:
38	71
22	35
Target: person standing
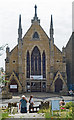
31	101
71	92
23	104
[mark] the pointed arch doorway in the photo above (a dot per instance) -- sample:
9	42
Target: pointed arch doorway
58	85
13	86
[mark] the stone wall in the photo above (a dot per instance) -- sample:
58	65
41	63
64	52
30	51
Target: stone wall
6	95
70	60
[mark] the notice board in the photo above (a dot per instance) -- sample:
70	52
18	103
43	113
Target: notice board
55	105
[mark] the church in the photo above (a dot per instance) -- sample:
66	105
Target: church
36	64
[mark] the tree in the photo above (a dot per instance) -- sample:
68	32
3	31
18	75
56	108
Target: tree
2	69
2	49
2	79
2	74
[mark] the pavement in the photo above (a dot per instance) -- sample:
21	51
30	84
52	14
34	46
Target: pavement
38	97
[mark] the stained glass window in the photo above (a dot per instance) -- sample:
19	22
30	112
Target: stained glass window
35	62
28	65
44	64
35	35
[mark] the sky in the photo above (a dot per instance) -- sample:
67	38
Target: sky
73	16
9	20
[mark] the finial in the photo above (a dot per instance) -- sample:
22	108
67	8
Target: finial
51	24
20	28
35	18
20	21
35	11
51	28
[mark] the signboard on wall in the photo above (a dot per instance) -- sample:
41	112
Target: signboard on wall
36	77
55	105
13	86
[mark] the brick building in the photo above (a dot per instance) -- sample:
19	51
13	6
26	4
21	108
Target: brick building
36	63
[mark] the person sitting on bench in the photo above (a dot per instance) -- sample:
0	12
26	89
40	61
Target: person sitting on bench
62	102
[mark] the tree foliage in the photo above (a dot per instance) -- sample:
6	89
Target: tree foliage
2	49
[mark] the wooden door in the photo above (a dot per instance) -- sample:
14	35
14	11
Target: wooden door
35	86
58	85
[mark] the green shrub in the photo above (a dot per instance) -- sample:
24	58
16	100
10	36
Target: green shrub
69	105
4	115
6	110
42	111
67	112
62	110
47	115
72	108
70	113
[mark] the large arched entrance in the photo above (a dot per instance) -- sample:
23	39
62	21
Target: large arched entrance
58	85
13	86
36	69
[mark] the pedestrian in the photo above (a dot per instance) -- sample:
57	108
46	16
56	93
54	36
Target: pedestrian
23	104
31	101
62	102
70	92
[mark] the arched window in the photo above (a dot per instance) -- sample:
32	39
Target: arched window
35	35
35	62
28	65
44	64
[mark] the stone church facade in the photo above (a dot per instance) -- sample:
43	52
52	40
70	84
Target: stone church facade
35	64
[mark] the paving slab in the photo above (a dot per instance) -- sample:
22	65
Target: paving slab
27	115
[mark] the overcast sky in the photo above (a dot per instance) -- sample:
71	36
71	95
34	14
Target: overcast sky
9	18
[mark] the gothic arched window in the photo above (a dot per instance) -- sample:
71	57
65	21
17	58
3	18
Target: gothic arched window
44	64
35	62
35	35
28	65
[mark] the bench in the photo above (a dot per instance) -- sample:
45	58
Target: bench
34	109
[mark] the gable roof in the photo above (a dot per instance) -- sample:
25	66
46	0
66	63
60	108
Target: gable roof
14	49
27	33
40	28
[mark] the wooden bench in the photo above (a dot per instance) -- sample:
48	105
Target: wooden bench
34	109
